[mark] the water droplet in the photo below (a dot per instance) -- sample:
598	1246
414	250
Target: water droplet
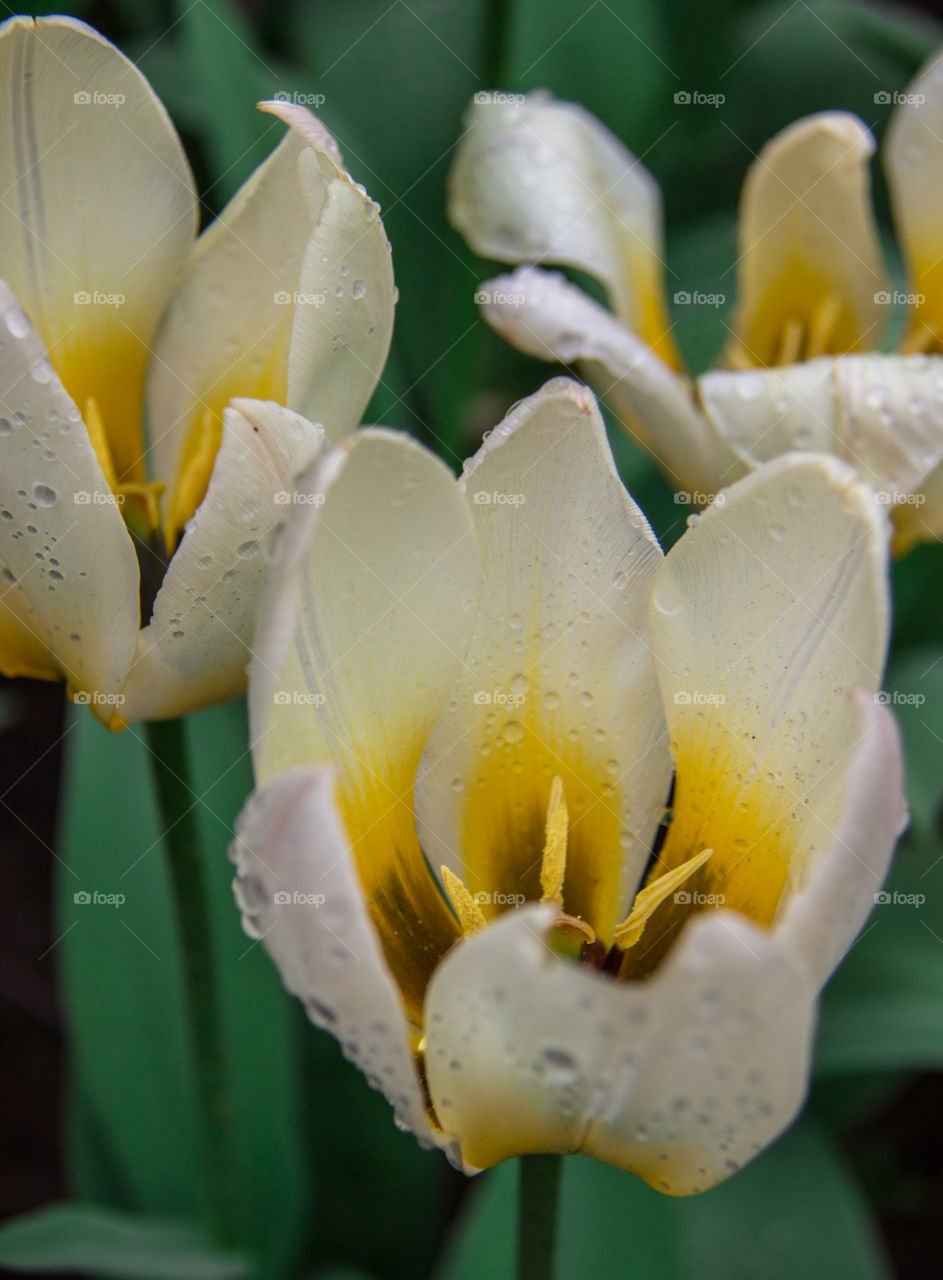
45	496
515	622
777	532
512	732
359	289
551	700
5	427
16	322
246	550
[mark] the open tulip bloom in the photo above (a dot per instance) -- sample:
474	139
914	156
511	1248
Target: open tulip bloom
468	701
542	181
115	318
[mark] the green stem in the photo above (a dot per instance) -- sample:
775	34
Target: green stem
181	839
537	1198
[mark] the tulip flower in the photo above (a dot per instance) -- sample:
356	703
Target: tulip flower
468	702
541	181
159	390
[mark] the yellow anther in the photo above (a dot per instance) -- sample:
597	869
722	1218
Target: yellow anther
193	478
470	915
790	342
652	896
553	864
822	329
95	427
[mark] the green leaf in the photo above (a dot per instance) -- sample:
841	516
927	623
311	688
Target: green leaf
135	1123
86	1238
805	1213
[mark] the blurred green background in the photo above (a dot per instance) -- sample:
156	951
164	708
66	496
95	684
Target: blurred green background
95	1088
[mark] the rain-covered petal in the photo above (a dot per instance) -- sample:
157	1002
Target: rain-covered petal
97	217
288	296
912	153
536	180
765	616
542	314
883	414
810	279
558	680
361	635
680	1079
65	548
822	920
300	896
195	648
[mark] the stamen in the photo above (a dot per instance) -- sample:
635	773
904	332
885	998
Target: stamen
553	864
470	915
652	896
194	476
790	343
822	329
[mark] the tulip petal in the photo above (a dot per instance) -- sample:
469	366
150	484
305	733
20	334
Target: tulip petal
883	414
194	650
680	1079
912	153
98	215
810	273
66	550
764	617
260	312
545	181
361	635
559	678
299	894
540	313
823	919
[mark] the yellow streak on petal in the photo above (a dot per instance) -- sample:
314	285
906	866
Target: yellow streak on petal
553	864
193	477
95	426
470	915
652	896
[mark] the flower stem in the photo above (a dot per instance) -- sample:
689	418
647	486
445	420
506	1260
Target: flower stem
181	839
537	1198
